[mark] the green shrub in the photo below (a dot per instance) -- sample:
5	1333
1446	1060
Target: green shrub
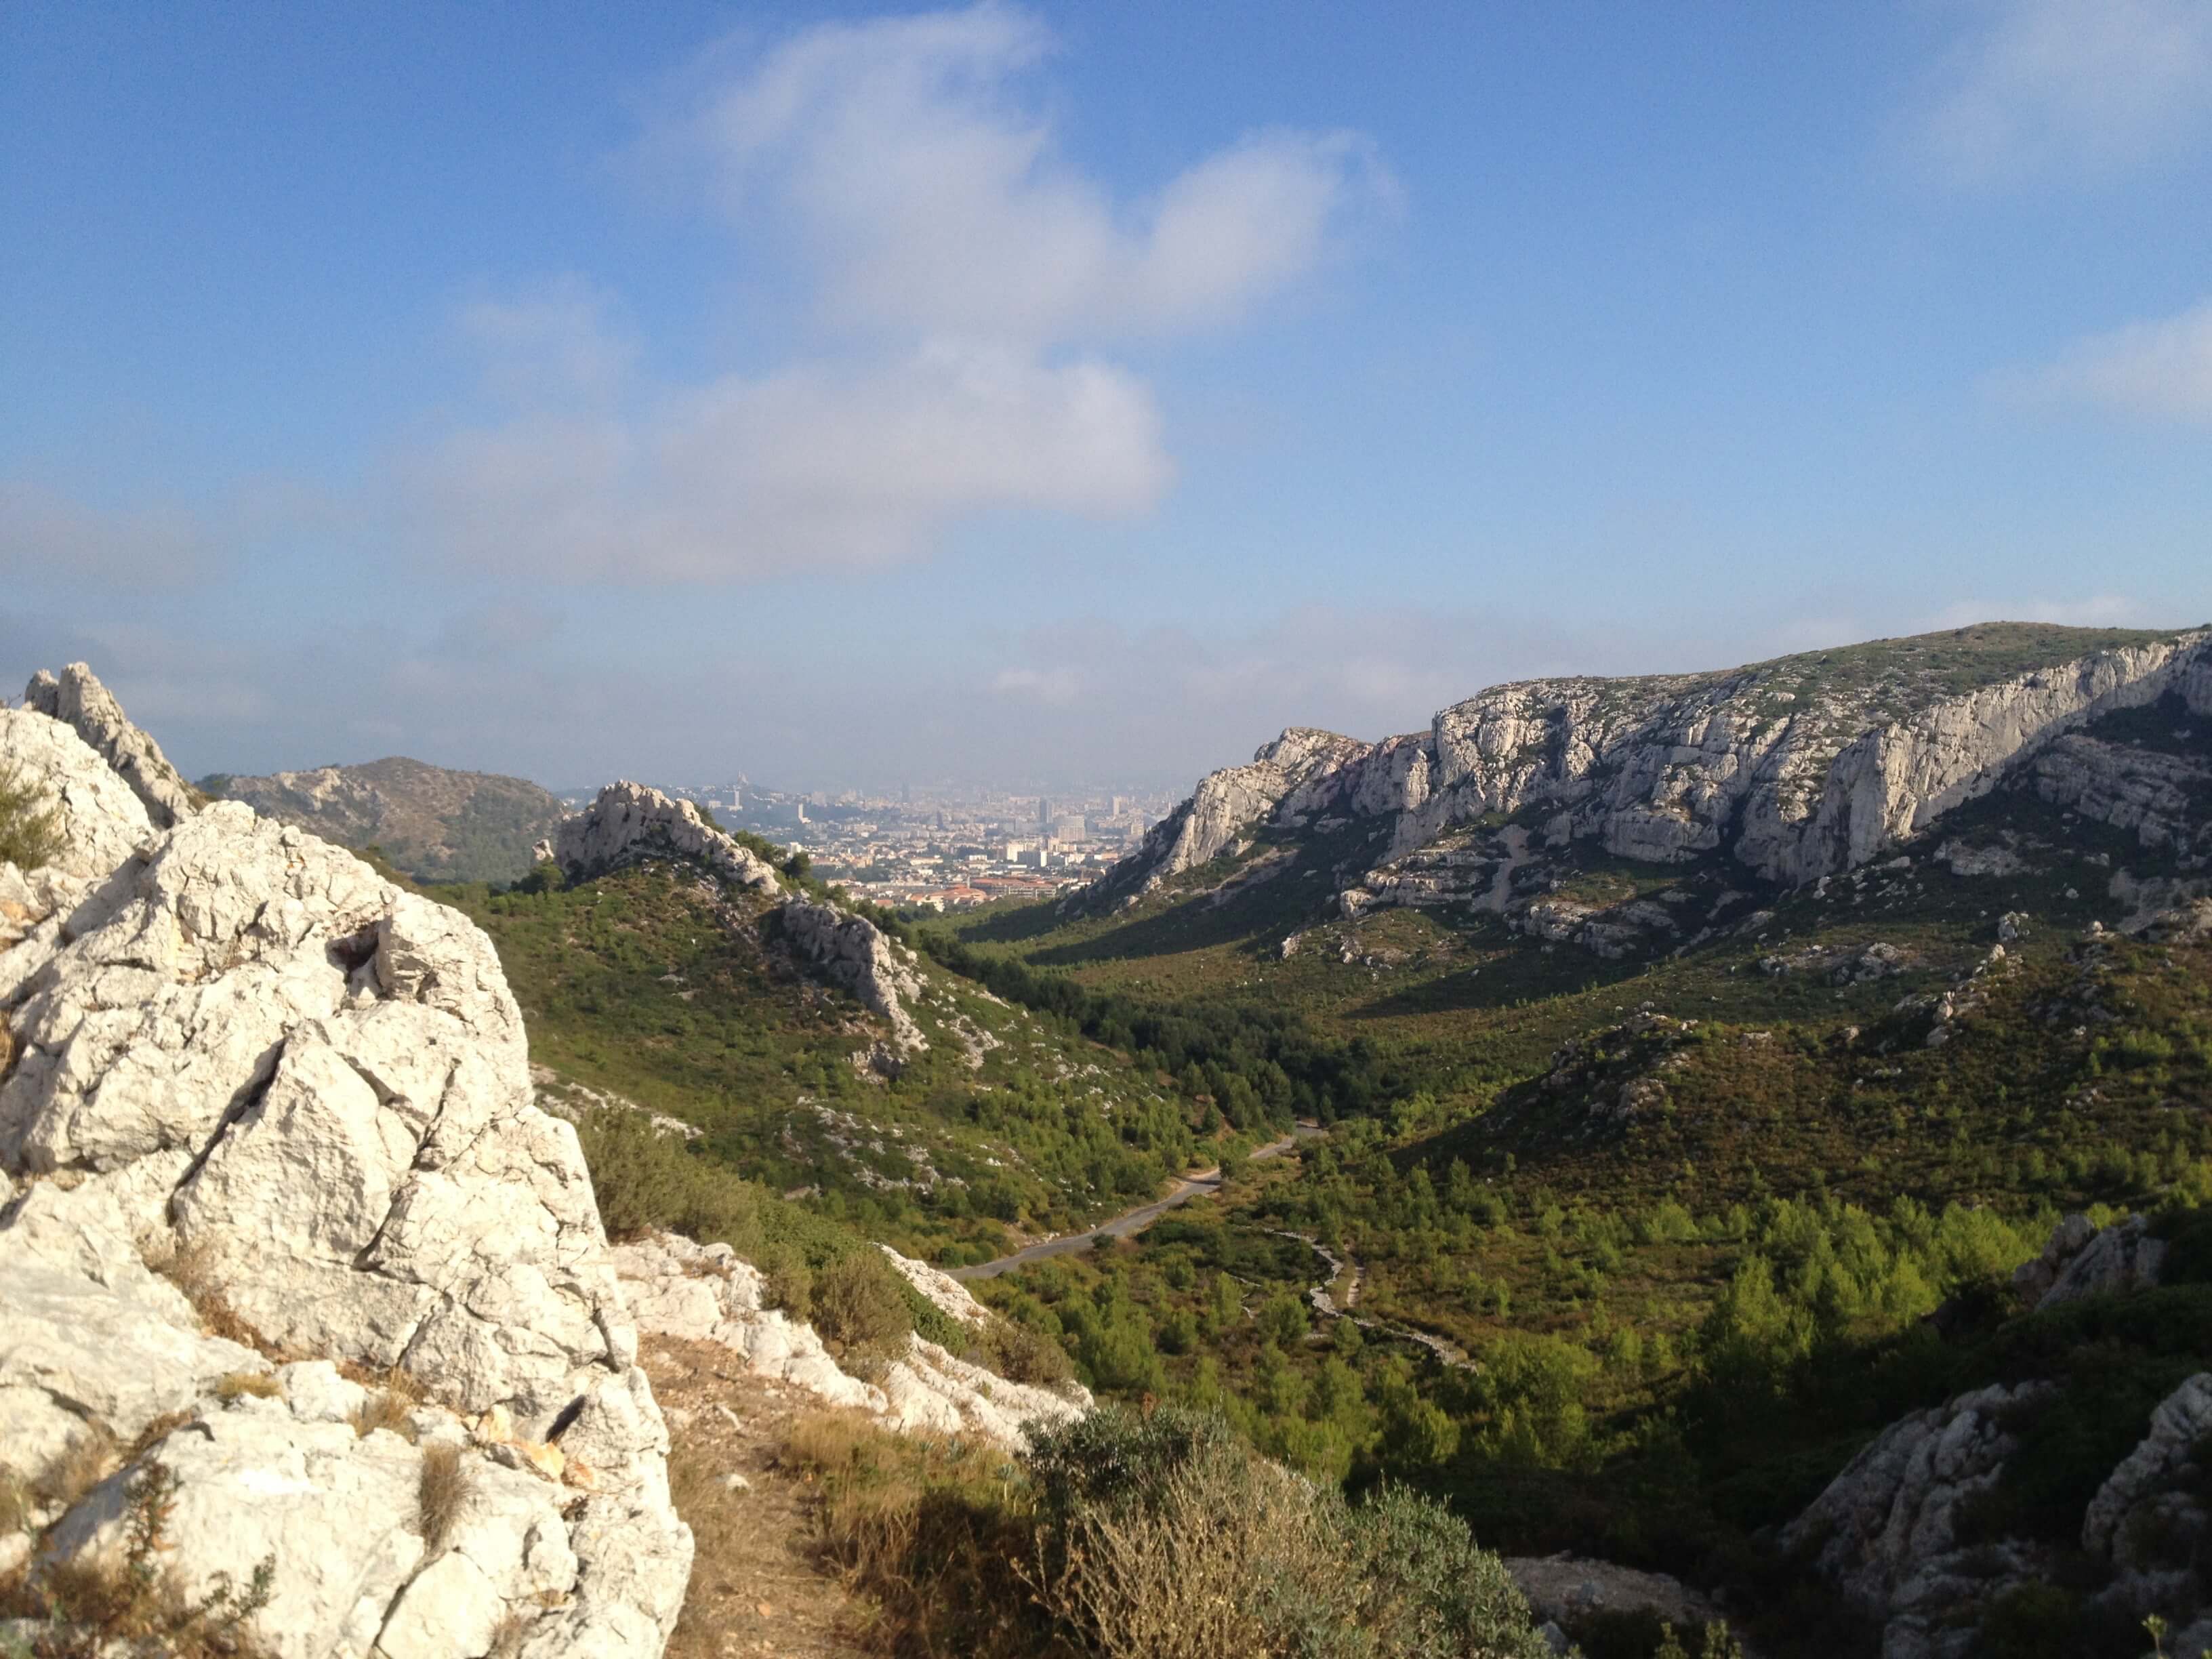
1161	1534
1022	1355
857	1306
30	828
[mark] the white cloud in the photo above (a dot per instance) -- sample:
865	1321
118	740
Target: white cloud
2160	369
817	468
968	273
2069	86
930	199
46	535
552	345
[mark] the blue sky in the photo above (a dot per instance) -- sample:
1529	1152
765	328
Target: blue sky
1055	392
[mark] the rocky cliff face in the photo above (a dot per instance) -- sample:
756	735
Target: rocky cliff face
77	699
705	1293
1792	769
1228	804
628	822
241	1057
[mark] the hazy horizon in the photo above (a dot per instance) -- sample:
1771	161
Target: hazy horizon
848	395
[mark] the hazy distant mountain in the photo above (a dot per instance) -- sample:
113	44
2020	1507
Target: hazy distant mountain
433	824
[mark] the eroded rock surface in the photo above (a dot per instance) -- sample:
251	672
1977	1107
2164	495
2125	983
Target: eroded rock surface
2082	1260
242	1053
628	824
1887	1529
705	1292
77	699
853	951
627	821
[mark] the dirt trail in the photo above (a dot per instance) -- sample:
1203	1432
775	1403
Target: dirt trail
757	1584
1202	1184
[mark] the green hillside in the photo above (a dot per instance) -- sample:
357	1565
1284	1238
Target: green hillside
434	823
1689	1217
657	984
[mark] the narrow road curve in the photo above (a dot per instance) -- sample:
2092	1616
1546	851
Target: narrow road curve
1204	1183
1449	1352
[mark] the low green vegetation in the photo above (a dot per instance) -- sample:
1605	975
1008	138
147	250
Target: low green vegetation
1683	1230
1637	1253
1149	1535
30	828
659	985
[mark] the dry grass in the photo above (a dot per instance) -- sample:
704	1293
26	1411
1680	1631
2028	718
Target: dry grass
384	1410
236	1385
15	1504
89	1459
441	1491
936	1534
759	1584
392	1397
190	1268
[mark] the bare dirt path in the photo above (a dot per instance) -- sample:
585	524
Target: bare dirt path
1204	1183
758	1584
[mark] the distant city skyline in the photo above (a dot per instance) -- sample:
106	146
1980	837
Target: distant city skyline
1053	392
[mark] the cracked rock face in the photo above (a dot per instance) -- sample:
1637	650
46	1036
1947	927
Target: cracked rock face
241	1049
102	821
2081	1260
1228	802
852	952
1886	1530
705	1293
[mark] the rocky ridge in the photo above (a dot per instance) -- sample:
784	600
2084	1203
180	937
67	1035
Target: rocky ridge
1788	770
242	1057
628	822
705	1292
77	699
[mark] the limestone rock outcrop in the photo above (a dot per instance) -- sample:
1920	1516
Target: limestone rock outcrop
628	822
100	819
1227	804
1794	768
853	951
1886	1531
706	1293
241	1052
2081	1259
77	699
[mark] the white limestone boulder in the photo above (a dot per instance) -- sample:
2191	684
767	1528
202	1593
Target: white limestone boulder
241	1048
1886	1530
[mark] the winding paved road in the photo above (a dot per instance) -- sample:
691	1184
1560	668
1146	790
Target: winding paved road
1204	1183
